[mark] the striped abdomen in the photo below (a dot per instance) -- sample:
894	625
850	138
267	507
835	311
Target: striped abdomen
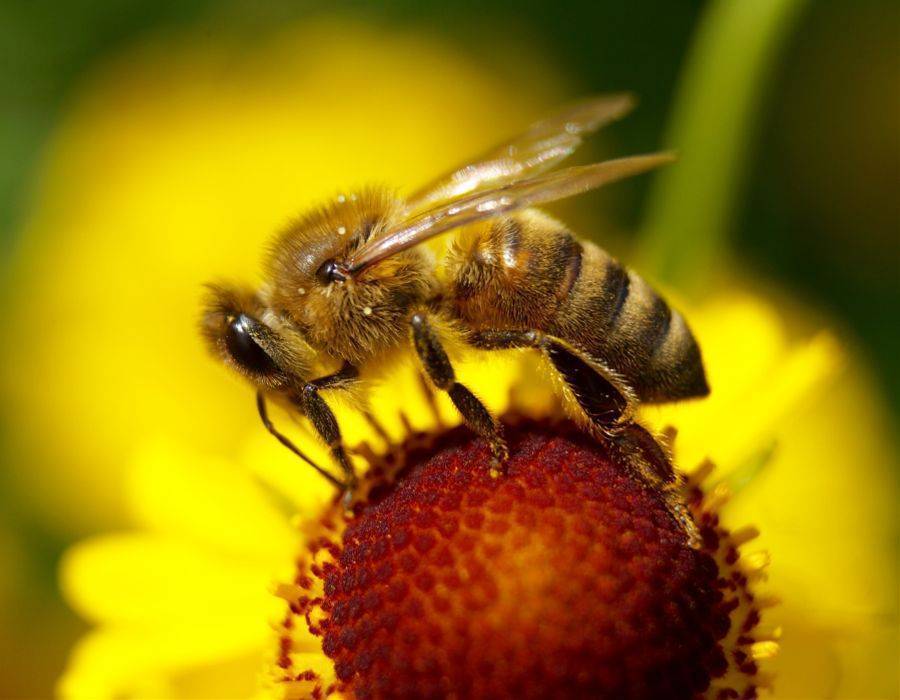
529	272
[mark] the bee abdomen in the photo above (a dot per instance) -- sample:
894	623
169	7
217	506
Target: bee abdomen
616	316
571	260
529	272
676	366
614	292
525	267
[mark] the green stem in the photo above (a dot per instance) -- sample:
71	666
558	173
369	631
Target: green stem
691	207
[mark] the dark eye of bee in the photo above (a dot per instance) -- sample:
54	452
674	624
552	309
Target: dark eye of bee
330	271
245	350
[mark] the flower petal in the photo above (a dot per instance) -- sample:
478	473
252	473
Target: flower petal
209	501
140	663
155	580
757	379
826	509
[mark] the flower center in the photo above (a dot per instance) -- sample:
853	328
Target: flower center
566	577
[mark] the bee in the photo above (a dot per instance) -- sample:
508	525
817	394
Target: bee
349	287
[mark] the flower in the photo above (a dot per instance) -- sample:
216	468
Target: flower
125	582
569	576
214	618
180	601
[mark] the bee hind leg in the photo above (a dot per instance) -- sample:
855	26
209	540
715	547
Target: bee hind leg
437	365
604	400
607	403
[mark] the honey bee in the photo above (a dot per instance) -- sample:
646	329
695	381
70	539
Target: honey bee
349	286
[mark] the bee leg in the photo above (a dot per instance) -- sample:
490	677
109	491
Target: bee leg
284	440
322	418
608	403
440	371
603	399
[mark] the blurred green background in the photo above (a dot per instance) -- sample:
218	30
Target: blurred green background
818	210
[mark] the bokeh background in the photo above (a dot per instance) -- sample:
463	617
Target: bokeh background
812	206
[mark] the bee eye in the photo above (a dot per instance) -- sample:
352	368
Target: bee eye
330	271
245	350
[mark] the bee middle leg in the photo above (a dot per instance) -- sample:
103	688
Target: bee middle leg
437	365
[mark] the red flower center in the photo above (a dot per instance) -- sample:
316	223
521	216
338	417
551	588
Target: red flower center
565	577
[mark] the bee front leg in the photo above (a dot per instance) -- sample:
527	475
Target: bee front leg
286	441
322	418
440	371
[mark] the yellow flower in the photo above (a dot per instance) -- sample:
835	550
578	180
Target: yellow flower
212	616
175	167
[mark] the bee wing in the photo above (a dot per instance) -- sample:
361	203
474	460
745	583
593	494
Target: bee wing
539	148
501	200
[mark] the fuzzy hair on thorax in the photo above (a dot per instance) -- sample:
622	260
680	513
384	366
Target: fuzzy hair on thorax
366	315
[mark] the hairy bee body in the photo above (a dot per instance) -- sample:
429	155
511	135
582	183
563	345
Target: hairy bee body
364	320
529	272
349	286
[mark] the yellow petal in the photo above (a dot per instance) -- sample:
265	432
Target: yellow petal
150	663
155	580
285	474
236	677
208	501
826	509
757	380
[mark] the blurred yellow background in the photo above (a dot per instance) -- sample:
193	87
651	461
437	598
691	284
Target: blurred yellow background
153	146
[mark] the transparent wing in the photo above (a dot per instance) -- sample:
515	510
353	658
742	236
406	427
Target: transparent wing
539	148
501	200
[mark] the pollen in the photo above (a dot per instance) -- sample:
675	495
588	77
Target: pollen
341	230
367	310
566	576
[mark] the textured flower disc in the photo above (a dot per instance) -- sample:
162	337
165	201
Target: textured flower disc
566	577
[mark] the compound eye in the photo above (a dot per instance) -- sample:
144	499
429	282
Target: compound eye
245	350
330	271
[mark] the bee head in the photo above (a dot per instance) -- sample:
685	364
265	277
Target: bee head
245	335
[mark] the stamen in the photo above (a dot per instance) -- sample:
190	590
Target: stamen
744	535
763	650
757	561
